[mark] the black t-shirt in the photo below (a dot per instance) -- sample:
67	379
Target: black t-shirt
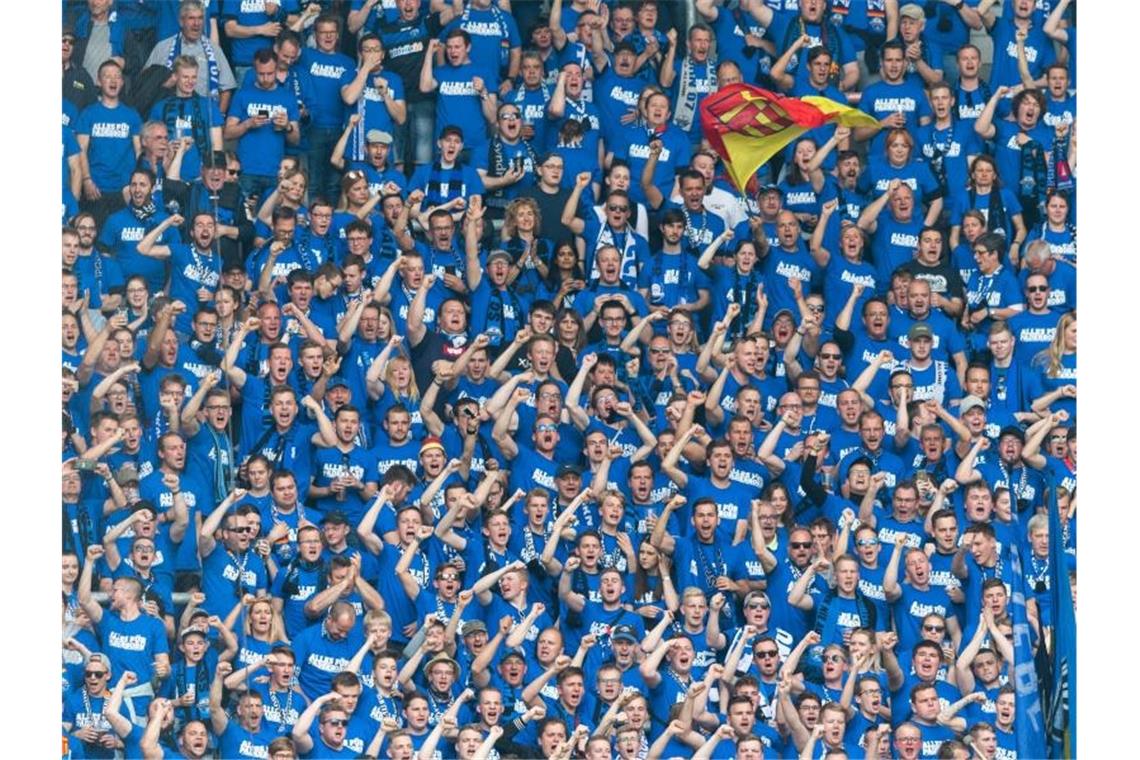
405	44
550	207
433	347
944	278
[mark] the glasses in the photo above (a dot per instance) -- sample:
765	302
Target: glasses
242	529
509	117
934	628
833	658
758	606
448	577
765	654
837	357
546	428
1037	289
799	545
815	308
546	394
338	722
867	542
870	692
658	350
94	673
621	209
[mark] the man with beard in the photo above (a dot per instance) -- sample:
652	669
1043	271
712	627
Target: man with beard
195	269
250	733
125	230
229	569
218	196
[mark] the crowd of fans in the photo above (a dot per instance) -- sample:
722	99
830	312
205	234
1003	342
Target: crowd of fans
429	392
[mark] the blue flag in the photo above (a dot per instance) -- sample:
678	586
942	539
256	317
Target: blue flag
1063	700
1029	720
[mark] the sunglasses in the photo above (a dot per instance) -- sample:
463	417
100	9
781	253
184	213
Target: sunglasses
94	673
800	545
837	357
934	628
1037	289
622	209
867	542
758	606
766	654
833	658
338	722
233	172
545	428
448	577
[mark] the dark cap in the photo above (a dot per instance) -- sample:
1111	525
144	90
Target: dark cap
335	517
624	632
769	188
336	381
1013	430
919	330
191	632
512	654
451	129
568	469
625	46
215	160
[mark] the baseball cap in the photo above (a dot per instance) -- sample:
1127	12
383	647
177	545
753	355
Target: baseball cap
378	136
568	469
474	626
128	472
912	10
191	632
335	517
216	160
336	381
624	632
1013	430
769	188
970	402
512	653
626	46
451	129
499	253
919	330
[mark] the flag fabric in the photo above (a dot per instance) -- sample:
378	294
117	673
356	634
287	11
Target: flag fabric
746	125
1029	718
1063	700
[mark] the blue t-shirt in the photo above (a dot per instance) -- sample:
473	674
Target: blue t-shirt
110	150
327	73
260	149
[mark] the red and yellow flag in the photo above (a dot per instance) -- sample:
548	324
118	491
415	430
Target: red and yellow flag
746	125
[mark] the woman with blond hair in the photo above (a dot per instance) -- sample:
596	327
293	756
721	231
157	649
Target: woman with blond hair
1054	386
530	254
261	629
